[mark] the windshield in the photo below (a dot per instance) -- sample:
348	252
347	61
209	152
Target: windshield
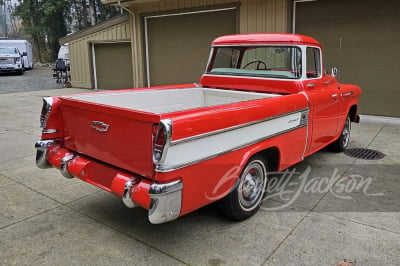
258	61
8	50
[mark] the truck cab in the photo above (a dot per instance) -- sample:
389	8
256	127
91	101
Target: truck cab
285	64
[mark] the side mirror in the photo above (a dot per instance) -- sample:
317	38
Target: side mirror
334	72
24	54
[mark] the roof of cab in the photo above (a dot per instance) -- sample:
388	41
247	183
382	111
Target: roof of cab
265	38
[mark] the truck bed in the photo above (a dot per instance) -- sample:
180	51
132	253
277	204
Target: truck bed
92	122
170	100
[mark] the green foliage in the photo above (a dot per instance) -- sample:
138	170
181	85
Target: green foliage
45	21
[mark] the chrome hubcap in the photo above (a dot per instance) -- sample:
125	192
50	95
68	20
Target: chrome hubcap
346	133
251	186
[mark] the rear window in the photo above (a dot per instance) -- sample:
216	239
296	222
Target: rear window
282	62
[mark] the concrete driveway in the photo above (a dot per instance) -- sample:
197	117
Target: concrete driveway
38	78
325	210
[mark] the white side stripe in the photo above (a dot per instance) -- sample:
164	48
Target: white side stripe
186	153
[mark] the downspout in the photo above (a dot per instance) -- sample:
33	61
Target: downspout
94	66
134	41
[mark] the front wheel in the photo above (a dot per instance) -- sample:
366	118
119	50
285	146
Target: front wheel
343	141
245	199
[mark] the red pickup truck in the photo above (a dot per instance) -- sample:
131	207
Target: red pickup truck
263	104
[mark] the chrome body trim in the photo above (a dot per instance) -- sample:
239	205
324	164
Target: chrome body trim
165	201
304	118
45	144
100	126
347	94
46	109
161	169
216	132
65	161
167	125
310	85
129	189
49	131
218	143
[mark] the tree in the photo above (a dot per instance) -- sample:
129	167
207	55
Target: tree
86	13
45	21
54	24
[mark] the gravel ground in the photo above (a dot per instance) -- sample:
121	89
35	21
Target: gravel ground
39	78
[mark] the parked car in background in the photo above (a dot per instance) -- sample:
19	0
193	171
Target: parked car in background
11	60
23	46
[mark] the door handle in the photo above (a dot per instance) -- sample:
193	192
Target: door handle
347	94
310	85
334	96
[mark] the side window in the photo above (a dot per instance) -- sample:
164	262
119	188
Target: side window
313	62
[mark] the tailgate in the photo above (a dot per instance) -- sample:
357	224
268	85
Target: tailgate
114	135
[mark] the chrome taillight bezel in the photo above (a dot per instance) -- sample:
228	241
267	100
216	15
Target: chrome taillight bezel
161	146
46	109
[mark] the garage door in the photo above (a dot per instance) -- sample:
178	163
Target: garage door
360	38
113	63
178	45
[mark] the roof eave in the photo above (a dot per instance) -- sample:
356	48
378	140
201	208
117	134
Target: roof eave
93	29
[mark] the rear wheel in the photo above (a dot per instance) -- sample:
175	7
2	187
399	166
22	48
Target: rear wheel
343	141
245	199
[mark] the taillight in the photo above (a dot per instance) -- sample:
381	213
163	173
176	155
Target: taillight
46	108
162	141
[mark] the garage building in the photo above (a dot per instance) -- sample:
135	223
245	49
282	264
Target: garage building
167	42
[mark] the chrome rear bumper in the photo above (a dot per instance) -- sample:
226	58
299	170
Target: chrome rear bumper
42	147
164	201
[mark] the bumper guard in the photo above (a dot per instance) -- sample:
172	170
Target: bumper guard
42	147
166	202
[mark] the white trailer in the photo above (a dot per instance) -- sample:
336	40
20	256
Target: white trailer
24	46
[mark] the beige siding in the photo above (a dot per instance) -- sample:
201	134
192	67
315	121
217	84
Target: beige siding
80	52
254	16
